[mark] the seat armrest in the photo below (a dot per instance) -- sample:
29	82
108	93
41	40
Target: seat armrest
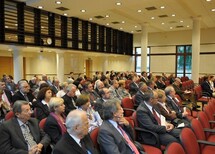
206	142
211	121
209	130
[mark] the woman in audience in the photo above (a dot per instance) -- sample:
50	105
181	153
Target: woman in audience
55	122
83	103
42	107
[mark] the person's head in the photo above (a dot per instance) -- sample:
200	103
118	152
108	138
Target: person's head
143	73
211	78
56	105
122	83
105	93
161	96
2	85
44	77
99	85
115	84
22	110
83	101
143	87
88	86
135	77
56	82
24	86
71	89
77	123
112	110
150	84
44	93
170	91
63	86
151	97
177	81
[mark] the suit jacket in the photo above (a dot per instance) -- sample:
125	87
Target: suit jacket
206	88
67	145
41	111
172	106
168	115
178	91
114	94
139	97
68	103
12	140
52	129
160	85
133	88
9	95
111	141
18	96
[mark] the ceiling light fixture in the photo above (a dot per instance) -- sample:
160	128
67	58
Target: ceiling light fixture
213	10
173	15
139	11
188	26
83	10
118	3
121	28
58	2
135	26
39	7
208	0
162	7
132	31
107	24
162	23
181	21
152	18
123	22
65	14
107	16
90	18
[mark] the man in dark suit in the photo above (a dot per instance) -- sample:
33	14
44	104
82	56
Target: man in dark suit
111	136
139	97
24	93
14	138
149	118
133	86
70	98
77	139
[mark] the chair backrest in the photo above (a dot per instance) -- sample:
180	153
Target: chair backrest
189	141
198	91
127	103
209	112
134	116
42	123
174	148
198	130
94	135
202	117
9	115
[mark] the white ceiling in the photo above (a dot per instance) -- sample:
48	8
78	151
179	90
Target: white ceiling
184	10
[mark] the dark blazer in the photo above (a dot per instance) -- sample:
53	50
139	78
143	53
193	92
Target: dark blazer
18	96
12	140
172	106
52	129
169	116
111	141
9	95
41	111
139	97
160	85
133	88
179	91
67	145
68	103
207	89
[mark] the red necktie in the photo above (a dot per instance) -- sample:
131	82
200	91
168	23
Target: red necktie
130	143
156	116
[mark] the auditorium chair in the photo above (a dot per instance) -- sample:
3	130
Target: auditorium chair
191	144
94	135
200	95
210	115
174	148
42	123
128	106
9	115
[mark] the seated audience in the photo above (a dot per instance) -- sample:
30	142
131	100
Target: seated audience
133	86
149	118
55	122
42	107
21	134
83	103
76	140
113	89
10	85
4	107
160	83
70	98
139	97
115	134
208	86
122	91
6	96
62	92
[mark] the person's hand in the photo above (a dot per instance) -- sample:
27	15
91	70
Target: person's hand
184	114
123	121
33	150
169	127
39	148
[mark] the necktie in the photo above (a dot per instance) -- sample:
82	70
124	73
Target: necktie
176	104
28	136
130	143
156	116
83	146
26	97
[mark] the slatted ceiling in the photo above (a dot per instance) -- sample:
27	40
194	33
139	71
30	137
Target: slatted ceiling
57	26
44	23
79	30
69	28
28	20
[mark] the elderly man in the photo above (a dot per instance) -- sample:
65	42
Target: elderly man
21	134
77	139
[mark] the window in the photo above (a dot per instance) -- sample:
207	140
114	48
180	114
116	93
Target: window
138	60
184	61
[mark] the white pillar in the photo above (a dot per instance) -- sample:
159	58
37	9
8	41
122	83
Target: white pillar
17	64
196	49
144	45
60	65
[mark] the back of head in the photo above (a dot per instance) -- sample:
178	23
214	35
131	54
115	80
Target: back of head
109	108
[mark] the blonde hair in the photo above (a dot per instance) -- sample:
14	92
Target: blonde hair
55	102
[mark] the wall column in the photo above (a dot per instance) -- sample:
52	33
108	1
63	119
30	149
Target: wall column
60	65
105	65
144	45
17	64
196	49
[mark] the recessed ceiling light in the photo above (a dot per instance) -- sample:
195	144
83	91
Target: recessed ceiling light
152	18
58	2
213	10
132	31
208	0
123	22
118	3
83	10
181	21
10	49
39	7
65	14
162	23
173	15
107	16
6	26
170	28
16	24
135	26
90	18
107	24
42	27
139	11
162	7
188	26
120	28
